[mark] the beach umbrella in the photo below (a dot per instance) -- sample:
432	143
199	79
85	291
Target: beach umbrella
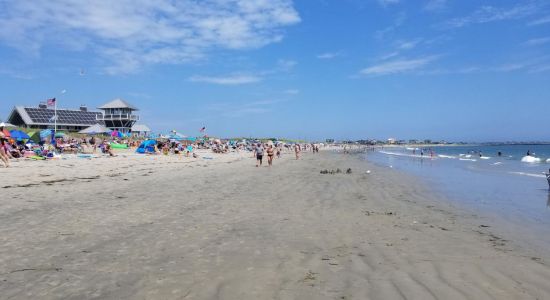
59	134
18	134
45	133
6	133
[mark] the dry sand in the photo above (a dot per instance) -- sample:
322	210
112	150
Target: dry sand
141	227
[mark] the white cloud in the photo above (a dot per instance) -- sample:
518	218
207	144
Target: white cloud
541	21
435	5
128	34
292	91
397	22
406	45
328	55
389	55
539	41
286	64
398	66
486	14
226	80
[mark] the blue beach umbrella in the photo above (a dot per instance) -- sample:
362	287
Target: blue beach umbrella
19	135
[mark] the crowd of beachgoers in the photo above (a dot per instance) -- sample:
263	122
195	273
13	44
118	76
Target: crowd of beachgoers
93	146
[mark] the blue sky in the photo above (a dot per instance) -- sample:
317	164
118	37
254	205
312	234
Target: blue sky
315	69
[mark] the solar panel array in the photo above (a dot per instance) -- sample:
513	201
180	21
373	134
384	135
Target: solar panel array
43	115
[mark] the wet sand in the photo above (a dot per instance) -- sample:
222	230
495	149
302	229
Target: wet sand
139	227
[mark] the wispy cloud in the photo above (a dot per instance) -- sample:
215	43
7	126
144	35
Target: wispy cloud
235	110
406	45
538	41
328	55
226	80
435	5
286	64
389	55
128	34
292	92
541	21
387	2
486	14
397	22
398	66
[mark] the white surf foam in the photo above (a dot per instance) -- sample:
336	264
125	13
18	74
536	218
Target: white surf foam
530	159
529	174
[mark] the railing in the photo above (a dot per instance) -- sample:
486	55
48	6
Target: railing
114	117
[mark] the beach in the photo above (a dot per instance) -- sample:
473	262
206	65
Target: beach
217	227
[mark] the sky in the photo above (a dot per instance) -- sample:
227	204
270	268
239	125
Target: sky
456	70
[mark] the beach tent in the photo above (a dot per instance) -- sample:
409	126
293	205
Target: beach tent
95	129
19	135
34	136
147	146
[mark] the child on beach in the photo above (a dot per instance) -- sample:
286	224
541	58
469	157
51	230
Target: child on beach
297	151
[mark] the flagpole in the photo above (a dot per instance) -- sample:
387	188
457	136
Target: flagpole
55	116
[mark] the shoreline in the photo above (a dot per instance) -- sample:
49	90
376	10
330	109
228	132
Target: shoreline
170	228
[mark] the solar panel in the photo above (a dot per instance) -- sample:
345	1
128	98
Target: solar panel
44	115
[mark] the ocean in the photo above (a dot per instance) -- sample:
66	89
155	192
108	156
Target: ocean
509	191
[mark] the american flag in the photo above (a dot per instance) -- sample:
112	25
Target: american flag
51	102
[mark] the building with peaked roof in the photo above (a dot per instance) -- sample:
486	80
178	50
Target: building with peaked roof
118	115
42	117
115	115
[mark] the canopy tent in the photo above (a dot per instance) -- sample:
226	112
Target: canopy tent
19	135
147	146
95	129
6	125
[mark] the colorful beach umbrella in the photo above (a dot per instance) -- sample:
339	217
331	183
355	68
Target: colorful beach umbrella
6	133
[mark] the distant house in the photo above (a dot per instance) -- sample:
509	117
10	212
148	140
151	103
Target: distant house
140	130
119	115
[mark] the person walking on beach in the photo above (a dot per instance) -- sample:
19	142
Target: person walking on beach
297	151
270	153
259	152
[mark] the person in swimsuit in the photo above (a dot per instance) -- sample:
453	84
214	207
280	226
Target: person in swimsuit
4	149
259	152
297	150
279	152
270	153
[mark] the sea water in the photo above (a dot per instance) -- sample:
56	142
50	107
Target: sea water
504	189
